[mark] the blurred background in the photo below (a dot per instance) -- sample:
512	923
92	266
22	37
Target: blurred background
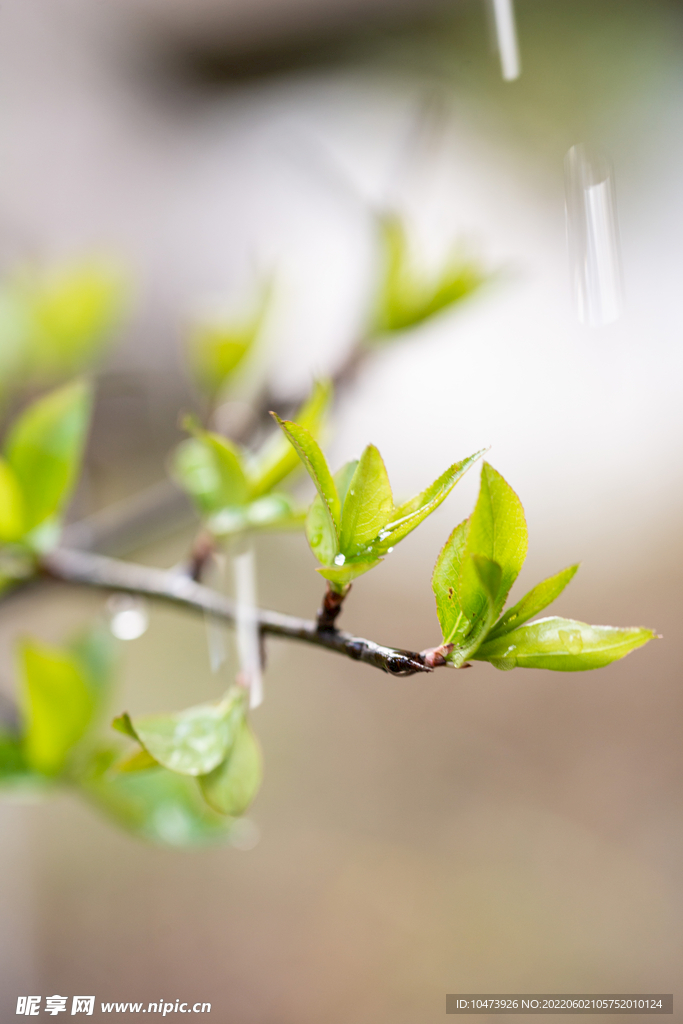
465	832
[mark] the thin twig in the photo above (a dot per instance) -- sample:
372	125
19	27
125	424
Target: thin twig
87	569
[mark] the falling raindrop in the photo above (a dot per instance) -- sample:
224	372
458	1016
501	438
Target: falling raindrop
129	616
593	237
214	575
503	17
246	621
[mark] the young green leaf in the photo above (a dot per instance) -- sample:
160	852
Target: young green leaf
341	575
71	312
368	504
406	298
410	514
44	450
12	762
454	623
57	706
231	787
320	532
342	479
193	741
218	344
277	458
209	467
11	505
563	645
534	602
140	761
309	452
158	806
497	530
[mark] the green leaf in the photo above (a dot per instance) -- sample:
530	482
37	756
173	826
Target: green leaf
309	452
497	530
490	575
368	504
563	645
277	458
12	761
342	575
272	511
232	786
209	467
123	724
409	515
342	479
193	741
406	298
217	345
44	450
139	761
320	532
11	505
233	483
157	806
57	706
453	621
71	310
534	602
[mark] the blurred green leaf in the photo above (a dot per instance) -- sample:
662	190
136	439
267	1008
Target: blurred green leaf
273	511
72	310
193	741
140	761
12	761
534	602
157	805
276	458
57	705
123	724
563	645
11	505
497	530
44	449
407	298
218	343
231	787
368	505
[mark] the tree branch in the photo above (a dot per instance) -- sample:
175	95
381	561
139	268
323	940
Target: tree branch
87	569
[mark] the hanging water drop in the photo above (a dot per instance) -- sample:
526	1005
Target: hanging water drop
129	616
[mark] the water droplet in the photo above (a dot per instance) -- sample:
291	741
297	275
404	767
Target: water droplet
129	617
383	534
571	640
389	550
352	491
504	664
339	559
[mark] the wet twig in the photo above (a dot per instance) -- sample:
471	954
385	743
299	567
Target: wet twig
91	570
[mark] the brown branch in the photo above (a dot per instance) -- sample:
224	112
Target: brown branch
87	569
